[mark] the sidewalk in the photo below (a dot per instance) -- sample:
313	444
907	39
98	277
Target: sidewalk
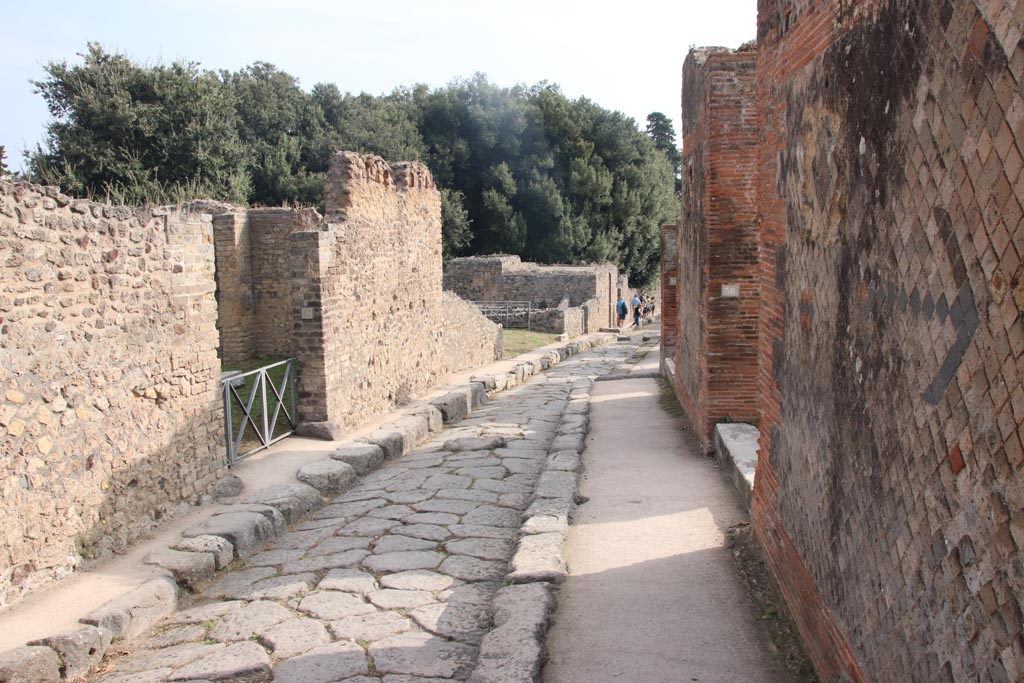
652	593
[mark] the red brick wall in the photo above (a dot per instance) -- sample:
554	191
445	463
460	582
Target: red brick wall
669	302
888	495
718	289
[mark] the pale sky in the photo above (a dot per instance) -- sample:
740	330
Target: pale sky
625	56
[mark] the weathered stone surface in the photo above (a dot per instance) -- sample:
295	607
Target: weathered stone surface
402	561
348	581
246	531
475	495
274	558
233	663
484	548
464	622
389	598
421	654
555	484
414	427
293	500
474	443
294	636
29	664
481	530
370	627
78	651
477	395
173	657
492	516
175	635
132	613
417	580
568	461
438	518
190	569
273	515
228	486
238	583
325	430
279	587
435	421
251	620
221	549
472	568
453	406
324	664
433	532
539	557
316	563
512	652
333	605
545	524
397	543
339	544
204	613
151	676
391	442
569	442
451	506
328	476
362	457
398	512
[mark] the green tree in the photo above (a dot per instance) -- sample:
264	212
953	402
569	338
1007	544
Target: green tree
140	134
660	130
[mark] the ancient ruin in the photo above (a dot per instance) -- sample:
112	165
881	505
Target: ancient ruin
570	300
871	225
112	318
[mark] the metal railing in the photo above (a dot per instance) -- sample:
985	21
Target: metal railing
247	403
508	313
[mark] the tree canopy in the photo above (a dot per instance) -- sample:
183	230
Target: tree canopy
522	170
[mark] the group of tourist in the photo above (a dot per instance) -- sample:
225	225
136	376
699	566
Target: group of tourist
643	309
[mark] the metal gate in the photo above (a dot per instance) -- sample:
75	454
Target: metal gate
508	313
251	412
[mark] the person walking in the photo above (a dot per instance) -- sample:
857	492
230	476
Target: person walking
636	310
621	309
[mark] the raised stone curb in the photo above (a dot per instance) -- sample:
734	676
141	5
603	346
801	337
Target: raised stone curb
29	664
190	569
78	652
513	650
328	476
362	457
132	613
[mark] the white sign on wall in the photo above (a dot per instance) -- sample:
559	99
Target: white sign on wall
730	291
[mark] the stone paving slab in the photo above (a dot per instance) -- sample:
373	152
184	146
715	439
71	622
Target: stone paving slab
393	580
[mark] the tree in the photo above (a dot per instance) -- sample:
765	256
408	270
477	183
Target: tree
142	134
660	130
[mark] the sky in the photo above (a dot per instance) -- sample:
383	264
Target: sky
623	55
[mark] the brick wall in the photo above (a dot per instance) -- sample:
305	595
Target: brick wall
368	325
109	386
253	285
888	494
669	300
717	266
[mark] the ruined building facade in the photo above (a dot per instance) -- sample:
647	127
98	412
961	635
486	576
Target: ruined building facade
887	247
112	321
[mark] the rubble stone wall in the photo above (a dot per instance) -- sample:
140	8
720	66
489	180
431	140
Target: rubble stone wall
368	318
109	377
507	278
888	494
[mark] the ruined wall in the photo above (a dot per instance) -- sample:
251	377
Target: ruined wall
506	278
888	493
468	339
366	294
668	303
108	377
717	263
254	295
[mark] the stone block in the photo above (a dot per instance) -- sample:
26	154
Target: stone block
487	380
29	664
295	501
363	457
228	486
513	650
478	395
78	651
453	406
246	531
567	461
390	441
539	557
328	476
435	421
221	549
325	430
273	515
131	614
190	569
555	484
416	428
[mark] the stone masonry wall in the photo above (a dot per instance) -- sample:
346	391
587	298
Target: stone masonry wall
506	278
108	377
718	290
888	494
254	288
669	302
366	294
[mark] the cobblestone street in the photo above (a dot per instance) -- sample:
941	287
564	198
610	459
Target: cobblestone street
399	579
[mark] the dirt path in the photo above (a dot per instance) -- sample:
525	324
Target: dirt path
652	593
